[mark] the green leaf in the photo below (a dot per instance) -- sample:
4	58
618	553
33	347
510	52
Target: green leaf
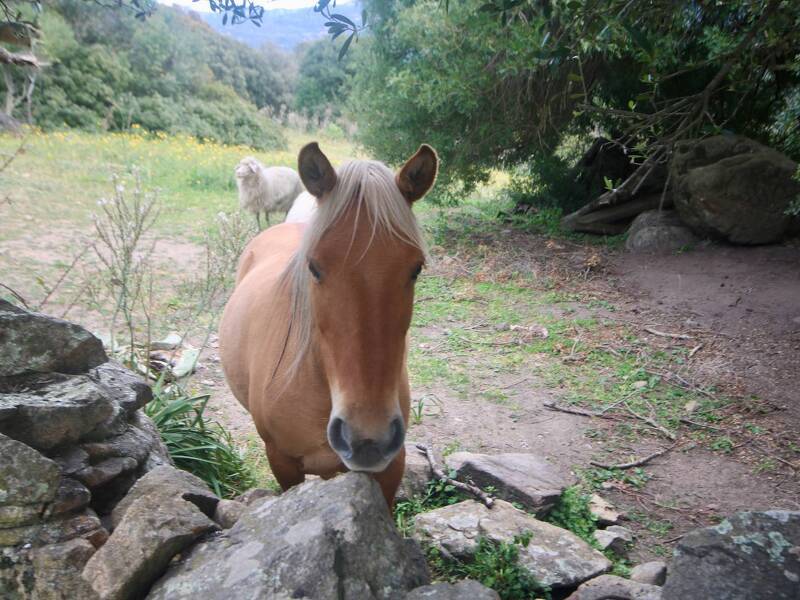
346	45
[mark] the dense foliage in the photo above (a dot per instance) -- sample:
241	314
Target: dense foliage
108	71
499	82
322	81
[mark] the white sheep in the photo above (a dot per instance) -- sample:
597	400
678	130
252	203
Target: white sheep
303	209
266	189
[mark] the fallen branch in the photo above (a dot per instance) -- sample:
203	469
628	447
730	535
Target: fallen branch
439	474
695	350
696	424
573	411
634	463
651	422
677	336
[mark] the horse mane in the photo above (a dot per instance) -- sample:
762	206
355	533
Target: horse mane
369	188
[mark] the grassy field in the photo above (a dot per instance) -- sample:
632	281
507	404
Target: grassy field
60	176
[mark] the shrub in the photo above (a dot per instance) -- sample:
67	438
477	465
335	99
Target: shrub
204	449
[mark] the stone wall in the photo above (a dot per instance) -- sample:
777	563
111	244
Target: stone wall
73	440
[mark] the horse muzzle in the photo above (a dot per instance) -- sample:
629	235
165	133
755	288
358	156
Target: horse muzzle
361	453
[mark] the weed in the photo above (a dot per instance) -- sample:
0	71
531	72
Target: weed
437	495
572	512
723	444
205	449
495	565
417	409
595	477
450	448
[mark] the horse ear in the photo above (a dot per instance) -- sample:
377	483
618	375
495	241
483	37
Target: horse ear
418	174
316	171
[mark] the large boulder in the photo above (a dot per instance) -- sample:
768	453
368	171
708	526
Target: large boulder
659	231
733	188
524	478
608	587
321	539
32	342
557	558
158	520
750	555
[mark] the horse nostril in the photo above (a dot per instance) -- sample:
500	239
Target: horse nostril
339	435
397	435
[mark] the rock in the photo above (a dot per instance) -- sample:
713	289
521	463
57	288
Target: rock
167	482
71	460
57	571
129	392
151	532
523	478
228	512
750	555
556	557
84	525
614	538
32	342
172	341
651	573
733	188
54	412
159	453
659	231
321	539
416	475
132	443
102	473
250	496
463	590
602	510
28	482
71	495
606	587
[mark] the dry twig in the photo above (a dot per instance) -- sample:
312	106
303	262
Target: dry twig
439	474
633	463
677	336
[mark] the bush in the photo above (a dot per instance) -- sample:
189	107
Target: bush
204	449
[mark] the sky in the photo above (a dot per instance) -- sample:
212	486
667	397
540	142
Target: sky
202	5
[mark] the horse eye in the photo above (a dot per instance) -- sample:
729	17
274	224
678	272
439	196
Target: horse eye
314	271
416	272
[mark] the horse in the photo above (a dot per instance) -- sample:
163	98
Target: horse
313	340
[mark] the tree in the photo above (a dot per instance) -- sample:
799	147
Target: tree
502	82
322	81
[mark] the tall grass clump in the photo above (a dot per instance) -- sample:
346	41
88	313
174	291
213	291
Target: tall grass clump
196	445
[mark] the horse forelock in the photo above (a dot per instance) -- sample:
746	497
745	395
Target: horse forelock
367	187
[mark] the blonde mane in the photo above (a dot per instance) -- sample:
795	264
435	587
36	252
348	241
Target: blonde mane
368	187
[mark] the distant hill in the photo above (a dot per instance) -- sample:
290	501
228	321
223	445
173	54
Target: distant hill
284	28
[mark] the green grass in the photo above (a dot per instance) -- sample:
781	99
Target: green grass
195	445
62	175
495	565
